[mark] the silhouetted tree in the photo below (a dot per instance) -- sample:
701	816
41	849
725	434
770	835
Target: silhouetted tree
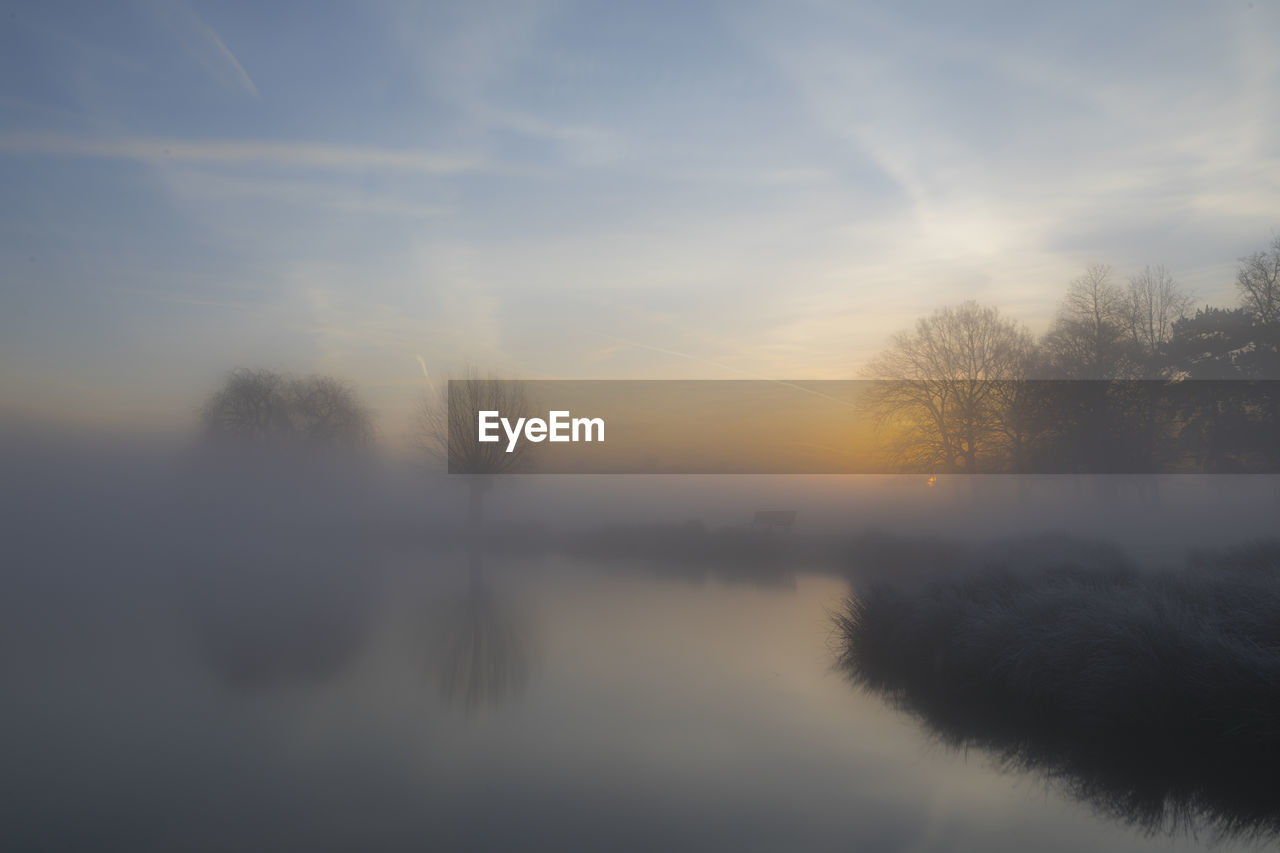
448	424
261	409
955	376
1102	332
1258	280
963	399
1214	343
1236	430
325	412
1155	302
250	408
1089	337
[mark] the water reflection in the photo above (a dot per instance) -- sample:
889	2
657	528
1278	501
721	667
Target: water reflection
1152	697
480	655
270	608
695	552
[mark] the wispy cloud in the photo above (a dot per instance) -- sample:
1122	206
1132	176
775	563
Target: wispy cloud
301	155
201	185
179	298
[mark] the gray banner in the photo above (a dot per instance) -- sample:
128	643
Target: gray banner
862	427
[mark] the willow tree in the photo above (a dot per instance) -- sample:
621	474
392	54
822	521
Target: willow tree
952	389
271	442
448	429
261	410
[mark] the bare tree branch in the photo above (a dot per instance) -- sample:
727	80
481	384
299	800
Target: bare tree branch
448	425
267	411
1258	281
952	383
1155	303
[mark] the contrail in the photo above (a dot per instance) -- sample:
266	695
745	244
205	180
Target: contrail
430	384
242	76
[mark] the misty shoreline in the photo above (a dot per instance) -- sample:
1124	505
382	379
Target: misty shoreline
1151	695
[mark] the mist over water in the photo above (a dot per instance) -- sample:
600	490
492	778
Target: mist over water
207	656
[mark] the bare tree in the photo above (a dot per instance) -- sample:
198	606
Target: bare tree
1258	281
955	377
325	412
250	408
1088	337
265	410
448	425
1155	303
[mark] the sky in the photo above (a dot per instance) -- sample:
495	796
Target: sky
593	190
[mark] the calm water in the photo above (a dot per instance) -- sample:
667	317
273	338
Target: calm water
429	702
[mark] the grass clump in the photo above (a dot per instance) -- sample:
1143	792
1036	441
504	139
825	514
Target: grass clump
1155	696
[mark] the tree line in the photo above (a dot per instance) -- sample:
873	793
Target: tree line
1126	379
1116	384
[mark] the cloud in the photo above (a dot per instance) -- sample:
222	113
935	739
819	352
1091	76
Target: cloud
1026	147
205	185
241	152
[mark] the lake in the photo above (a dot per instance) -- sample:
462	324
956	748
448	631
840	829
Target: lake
435	701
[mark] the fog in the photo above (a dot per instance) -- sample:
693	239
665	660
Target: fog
304	644
138	489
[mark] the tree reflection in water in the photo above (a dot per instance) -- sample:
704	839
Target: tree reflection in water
268	612
480	655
